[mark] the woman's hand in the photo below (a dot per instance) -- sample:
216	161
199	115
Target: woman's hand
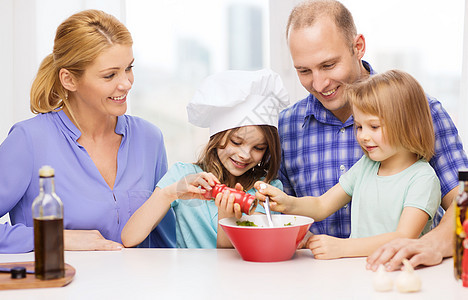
193	186
279	201
88	240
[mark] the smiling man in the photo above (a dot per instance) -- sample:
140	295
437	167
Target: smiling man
317	136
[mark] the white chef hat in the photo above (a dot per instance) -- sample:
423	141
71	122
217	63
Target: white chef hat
233	99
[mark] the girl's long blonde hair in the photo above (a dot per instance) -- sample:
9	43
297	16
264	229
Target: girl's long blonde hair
269	165
78	41
401	105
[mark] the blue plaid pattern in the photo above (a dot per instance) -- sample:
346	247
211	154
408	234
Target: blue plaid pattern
317	149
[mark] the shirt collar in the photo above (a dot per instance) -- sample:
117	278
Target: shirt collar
368	67
68	124
120	128
316	109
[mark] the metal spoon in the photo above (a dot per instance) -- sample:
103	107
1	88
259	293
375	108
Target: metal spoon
268	213
267	208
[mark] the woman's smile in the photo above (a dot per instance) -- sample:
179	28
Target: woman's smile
120	99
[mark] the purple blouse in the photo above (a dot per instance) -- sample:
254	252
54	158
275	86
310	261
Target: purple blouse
89	203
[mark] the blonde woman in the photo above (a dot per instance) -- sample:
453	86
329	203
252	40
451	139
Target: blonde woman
395	191
106	163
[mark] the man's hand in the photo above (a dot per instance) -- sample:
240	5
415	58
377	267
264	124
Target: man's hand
417	251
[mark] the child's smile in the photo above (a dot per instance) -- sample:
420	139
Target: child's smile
238	164
243	151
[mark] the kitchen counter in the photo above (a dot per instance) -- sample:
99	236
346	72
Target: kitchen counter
222	274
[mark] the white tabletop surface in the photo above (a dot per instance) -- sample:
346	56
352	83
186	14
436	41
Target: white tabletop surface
222	274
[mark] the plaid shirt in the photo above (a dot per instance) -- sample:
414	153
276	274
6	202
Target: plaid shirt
317	149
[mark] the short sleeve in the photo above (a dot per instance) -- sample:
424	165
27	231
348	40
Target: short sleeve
424	193
348	180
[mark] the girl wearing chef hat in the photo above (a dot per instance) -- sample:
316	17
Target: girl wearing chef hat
241	109
395	192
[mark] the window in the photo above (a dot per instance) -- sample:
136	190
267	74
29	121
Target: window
179	42
424	39
427	42
176	45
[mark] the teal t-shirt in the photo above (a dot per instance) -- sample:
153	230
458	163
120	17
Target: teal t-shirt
196	219
378	201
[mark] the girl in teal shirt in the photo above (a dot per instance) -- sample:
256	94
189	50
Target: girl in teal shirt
394	189
241	110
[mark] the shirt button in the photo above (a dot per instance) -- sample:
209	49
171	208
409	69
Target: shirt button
346	206
342	168
342	130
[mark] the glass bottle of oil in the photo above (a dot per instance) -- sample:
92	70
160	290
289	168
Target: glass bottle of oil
47	212
461	214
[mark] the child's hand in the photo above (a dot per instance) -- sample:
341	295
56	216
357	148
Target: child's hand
226	206
194	186
303	243
279	201
325	246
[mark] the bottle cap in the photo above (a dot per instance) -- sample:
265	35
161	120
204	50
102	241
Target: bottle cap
252	206
46	171
18	272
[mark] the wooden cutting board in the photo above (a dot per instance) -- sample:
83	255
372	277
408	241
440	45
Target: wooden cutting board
31	282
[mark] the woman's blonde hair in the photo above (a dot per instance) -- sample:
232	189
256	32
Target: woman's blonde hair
269	165
401	105
78	41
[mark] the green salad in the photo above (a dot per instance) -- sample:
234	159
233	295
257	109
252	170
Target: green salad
246	223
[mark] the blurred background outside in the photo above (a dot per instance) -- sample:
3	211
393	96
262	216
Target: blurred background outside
178	43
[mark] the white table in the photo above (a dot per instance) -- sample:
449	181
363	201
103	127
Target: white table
222	274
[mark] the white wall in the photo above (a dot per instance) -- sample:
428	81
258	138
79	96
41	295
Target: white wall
463	101
425	45
27	31
18	49
280	59
27	28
